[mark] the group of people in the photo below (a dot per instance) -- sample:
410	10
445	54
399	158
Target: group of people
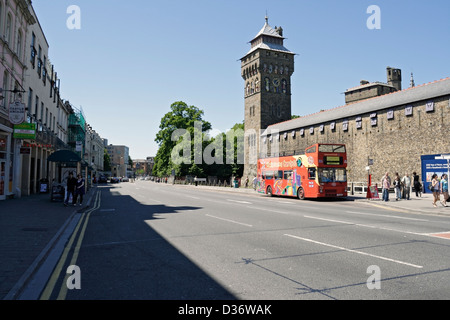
439	187
75	190
402	187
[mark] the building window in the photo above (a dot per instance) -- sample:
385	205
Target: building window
19	45
39	66
30	102
345	125
390	115
1	16
358	123
408	111
333	126
5	87
429	107
8	28
33	50
373	119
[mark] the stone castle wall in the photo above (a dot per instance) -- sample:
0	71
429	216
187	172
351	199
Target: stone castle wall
395	144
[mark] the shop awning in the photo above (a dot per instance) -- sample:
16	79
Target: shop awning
64	156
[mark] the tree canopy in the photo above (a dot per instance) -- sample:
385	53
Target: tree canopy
183	136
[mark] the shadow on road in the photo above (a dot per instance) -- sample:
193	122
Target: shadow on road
122	257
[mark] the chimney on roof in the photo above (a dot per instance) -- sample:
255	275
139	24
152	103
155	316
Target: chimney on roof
394	78
279	30
363	82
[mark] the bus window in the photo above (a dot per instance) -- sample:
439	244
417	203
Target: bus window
279	174
311	150
341	175
332	175
267	175
312	173
288	175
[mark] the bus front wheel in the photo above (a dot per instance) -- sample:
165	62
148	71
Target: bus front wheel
269	191
301	193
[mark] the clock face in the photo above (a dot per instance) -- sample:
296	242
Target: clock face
276	82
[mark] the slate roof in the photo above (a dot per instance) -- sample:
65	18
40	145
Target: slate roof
419	93
267	30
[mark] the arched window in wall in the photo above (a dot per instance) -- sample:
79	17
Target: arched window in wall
19	45
8	29
1	18
5	86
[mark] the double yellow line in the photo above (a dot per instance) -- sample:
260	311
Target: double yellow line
50	287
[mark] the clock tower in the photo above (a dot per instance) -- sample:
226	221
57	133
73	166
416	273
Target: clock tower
266	69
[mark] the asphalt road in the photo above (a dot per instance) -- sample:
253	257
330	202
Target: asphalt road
146	240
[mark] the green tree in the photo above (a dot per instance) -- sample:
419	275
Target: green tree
106	161
180	116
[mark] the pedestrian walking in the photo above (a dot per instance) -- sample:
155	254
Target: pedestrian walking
417	185
444	189
254	183
71	185
435	188
79	191
386	185
397	184
406	182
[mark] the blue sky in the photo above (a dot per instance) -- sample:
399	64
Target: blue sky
132	59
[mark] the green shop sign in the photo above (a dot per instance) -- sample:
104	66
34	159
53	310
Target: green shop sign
25	131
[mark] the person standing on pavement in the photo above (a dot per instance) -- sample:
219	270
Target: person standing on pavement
444	189
397	183
406	180
386	185
417	185
71	185
435	188
80	190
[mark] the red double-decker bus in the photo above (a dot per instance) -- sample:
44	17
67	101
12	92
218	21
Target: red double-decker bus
319	173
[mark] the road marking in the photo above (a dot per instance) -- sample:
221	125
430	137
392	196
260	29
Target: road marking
196	198
355	251
46	294
366	225
270	210
385	215
442	235
239	201
232	221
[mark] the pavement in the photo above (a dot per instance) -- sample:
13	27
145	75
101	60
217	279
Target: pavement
31	227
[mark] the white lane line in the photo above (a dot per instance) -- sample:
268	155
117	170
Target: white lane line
232	221
196	198
270	210
239	201
367	226
355	251
386	215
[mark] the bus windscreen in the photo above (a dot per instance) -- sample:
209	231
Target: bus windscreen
331	148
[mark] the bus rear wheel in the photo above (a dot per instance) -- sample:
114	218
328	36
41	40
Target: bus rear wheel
269	191
301	193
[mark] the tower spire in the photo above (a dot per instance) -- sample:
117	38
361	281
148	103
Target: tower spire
412	83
